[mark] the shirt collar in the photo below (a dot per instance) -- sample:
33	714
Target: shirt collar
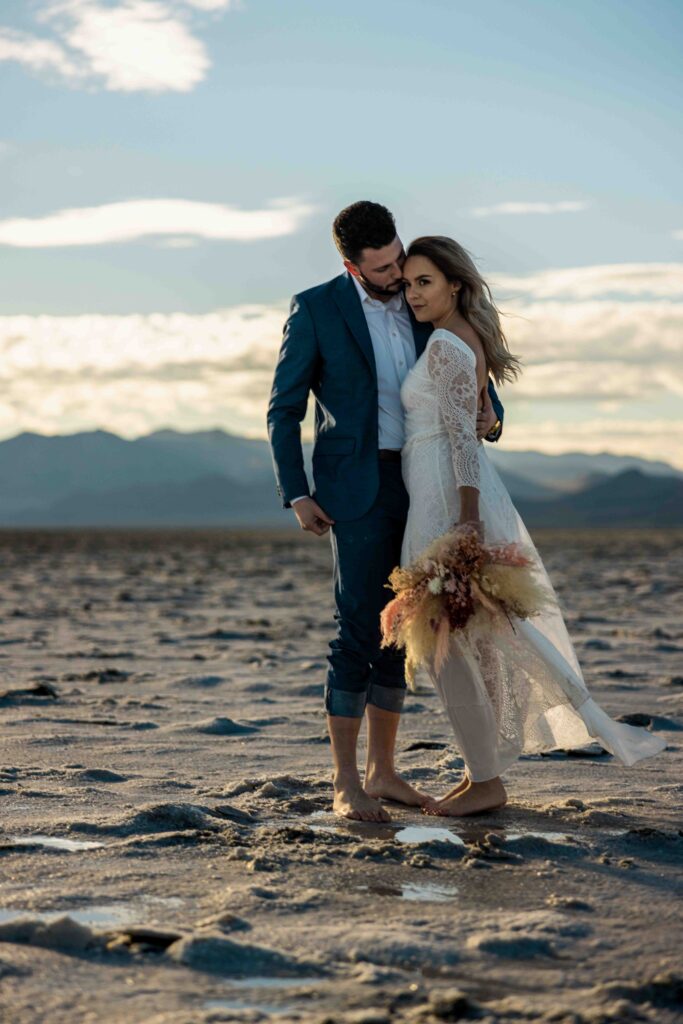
396	303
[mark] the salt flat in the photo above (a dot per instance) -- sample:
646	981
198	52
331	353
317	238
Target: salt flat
167	852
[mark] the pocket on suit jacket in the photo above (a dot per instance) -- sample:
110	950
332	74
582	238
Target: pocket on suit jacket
334	446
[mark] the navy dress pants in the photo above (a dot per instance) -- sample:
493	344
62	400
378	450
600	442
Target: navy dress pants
365	551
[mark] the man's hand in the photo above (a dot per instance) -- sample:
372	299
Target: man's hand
311	517
486	417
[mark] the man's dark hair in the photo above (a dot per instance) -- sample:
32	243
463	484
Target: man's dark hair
362	225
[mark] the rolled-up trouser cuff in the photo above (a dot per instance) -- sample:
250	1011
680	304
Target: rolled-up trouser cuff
388	698
345	703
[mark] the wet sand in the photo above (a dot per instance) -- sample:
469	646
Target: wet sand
167	851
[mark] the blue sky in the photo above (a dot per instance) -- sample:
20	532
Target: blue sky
206	145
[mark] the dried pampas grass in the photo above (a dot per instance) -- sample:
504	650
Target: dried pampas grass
455	578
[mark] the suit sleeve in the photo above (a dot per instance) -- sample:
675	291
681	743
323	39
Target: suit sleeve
495	434
295	374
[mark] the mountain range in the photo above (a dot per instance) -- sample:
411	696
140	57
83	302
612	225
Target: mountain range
212	478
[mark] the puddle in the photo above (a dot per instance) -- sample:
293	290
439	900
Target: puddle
259	983
414	892
552	837
104	915
324	828
362	829
101	915
418	834
238	1004
55	843
412	835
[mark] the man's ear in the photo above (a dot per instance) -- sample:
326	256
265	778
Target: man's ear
352	268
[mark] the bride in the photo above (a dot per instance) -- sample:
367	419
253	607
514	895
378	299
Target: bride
510	687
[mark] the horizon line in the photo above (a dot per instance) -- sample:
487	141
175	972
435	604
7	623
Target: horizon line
306	441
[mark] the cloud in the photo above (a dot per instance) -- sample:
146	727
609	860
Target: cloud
130	46
678	235
623	281
640	333
213	5
243	336
137	218
135	373
654	439
510	209
137	45
37	54
568	380
179	242
597	333
600	374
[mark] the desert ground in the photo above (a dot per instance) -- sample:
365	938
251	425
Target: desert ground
167	850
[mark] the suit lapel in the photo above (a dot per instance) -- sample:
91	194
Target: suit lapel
349	304
346	298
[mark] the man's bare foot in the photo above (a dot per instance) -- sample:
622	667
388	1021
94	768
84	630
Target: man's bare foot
432	807
354	803
390	786
476	798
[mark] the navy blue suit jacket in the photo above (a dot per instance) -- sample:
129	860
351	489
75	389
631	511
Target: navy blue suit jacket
327	349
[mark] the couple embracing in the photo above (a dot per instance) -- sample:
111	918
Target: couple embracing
399	352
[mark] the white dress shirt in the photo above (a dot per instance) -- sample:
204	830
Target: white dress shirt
391	334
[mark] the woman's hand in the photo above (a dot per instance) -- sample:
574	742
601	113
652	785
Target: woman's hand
473	525
469	510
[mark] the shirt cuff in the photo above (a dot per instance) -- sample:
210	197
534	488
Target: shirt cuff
300	498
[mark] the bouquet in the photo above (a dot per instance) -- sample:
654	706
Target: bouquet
454	579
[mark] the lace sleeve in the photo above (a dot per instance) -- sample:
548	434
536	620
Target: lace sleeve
455	378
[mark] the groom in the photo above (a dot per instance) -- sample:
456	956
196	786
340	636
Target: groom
351	341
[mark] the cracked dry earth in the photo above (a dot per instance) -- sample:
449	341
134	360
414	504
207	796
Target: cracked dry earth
167	851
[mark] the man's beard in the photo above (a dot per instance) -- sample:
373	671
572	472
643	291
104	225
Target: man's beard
377	289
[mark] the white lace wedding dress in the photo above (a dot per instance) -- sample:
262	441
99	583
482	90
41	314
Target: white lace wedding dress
508	688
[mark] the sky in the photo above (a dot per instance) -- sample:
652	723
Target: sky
169	172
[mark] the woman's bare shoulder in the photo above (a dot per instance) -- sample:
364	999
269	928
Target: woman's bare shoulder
473	341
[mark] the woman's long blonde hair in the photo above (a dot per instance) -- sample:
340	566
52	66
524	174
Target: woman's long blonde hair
474	301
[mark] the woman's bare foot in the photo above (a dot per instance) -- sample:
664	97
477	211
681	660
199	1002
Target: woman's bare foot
432	807
390	786
476	798
356	804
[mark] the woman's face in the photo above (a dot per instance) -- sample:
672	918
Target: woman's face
429	293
